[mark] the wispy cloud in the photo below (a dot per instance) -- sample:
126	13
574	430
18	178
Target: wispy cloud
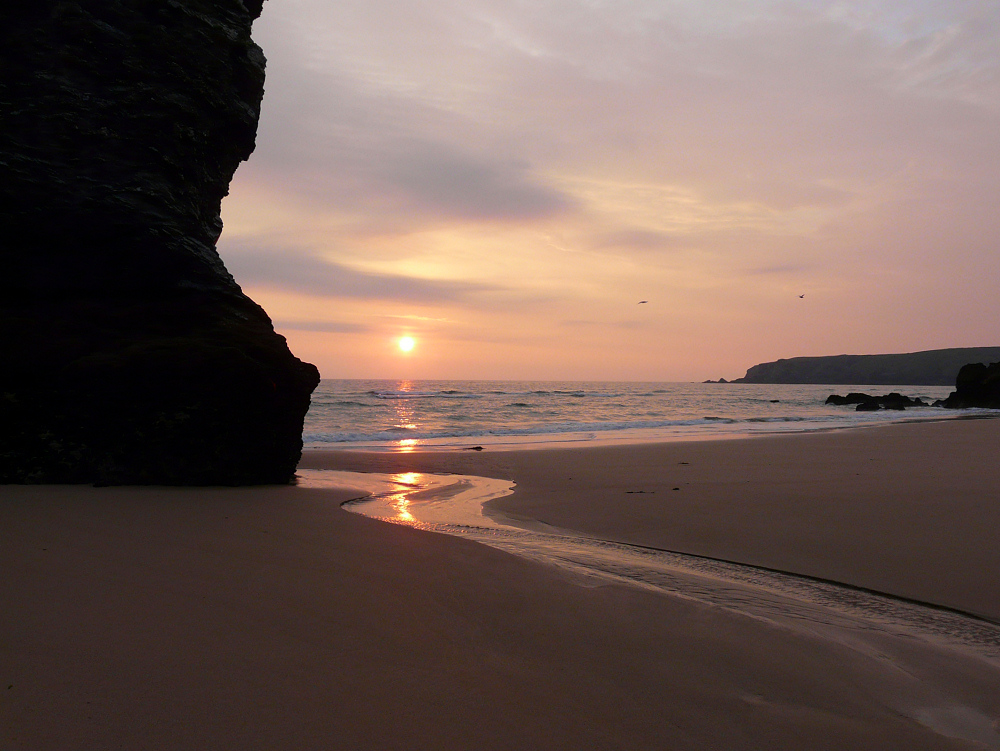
509	166
332	327
612	325
307	273
787	269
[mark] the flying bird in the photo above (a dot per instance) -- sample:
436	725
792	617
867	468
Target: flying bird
801	296
642	302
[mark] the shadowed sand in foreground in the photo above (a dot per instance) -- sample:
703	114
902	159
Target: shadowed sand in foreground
269	618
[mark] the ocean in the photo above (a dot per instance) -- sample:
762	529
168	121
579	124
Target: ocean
401	415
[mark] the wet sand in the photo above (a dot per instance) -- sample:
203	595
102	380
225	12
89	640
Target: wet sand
270	618
912	509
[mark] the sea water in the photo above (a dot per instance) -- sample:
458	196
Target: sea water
405	415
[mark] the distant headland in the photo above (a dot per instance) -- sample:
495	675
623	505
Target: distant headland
936	367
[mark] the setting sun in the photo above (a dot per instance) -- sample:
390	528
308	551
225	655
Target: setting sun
407	343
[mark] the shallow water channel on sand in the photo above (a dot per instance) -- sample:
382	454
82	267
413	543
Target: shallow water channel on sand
897	633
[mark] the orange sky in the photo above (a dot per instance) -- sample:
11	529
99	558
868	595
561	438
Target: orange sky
505	181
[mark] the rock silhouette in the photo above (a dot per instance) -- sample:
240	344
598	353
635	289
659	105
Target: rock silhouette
130	353
977	385
870	403
936	367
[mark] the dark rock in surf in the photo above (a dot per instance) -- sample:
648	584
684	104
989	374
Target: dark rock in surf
977	385
869	403
894	401
130	353
852	398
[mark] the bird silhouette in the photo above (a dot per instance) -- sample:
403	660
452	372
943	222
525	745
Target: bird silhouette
642	302
801	296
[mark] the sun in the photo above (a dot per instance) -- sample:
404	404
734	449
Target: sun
407	343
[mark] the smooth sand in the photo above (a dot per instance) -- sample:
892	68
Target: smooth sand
911	509
269	618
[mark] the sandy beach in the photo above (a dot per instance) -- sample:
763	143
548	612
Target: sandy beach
266	618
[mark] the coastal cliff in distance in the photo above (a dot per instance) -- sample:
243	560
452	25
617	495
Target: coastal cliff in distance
937	367
130	354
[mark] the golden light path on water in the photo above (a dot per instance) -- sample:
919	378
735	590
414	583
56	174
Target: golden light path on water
880	627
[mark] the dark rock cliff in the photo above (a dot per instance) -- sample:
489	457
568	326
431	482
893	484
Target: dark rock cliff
129	354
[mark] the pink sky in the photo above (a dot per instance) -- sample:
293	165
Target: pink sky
505	181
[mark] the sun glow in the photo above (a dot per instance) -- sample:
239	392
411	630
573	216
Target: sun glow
407	343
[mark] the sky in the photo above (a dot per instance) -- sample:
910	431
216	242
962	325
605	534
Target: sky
504	182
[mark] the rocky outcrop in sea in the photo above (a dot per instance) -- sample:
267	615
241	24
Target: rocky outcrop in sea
872	403
130	355
977	385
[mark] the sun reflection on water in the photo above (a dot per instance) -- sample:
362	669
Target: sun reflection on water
404	417
399	501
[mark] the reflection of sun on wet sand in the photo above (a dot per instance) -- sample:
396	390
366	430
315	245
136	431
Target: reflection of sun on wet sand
269	618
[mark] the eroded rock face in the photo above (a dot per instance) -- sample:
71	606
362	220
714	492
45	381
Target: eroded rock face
130	355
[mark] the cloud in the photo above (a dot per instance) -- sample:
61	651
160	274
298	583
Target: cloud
712	153
443	182
323	326
786	269
639	239
307	273
418	113
611	325
334	137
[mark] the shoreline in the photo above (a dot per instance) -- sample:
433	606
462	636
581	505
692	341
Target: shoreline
623	437
442	416
268	617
